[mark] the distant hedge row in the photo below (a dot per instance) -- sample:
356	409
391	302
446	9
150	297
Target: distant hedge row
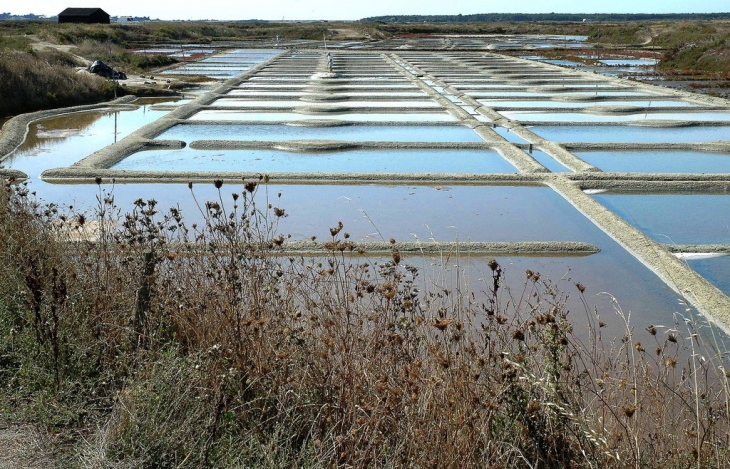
579	17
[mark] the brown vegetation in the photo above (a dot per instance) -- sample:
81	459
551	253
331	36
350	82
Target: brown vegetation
31	81
160	344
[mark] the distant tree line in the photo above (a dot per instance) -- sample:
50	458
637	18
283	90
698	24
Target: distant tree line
29	16
573	17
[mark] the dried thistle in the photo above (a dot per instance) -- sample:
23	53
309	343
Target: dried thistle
443	323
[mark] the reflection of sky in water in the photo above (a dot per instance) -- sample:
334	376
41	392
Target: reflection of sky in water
659	161
508	135
629	134
64	140
237	102
587	105
675	218
334	94
238	61
638	62
530	116
608	274
353	161
350	133
716	270
548	161
255	116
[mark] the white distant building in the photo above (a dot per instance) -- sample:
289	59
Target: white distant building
125	19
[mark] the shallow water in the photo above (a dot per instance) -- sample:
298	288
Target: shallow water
253	116
236	62
716	270
343	94
637	62
586	105
548	161
674	218
64	140
352	133
629	134
353	161
410	213
324	105
659	161
508	135
718	116
345	86
635	290
545	94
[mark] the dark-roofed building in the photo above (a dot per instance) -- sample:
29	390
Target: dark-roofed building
84	15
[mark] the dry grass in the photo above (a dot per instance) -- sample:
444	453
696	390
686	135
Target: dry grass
31	81
168	345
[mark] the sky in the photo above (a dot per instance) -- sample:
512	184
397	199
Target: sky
352	9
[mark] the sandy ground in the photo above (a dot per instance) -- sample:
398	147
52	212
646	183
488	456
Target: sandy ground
23	447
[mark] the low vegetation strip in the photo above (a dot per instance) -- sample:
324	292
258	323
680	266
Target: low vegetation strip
129	354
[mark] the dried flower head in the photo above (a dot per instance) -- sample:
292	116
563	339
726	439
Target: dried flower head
335	230
443	323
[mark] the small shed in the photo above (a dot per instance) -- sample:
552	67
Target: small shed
84	15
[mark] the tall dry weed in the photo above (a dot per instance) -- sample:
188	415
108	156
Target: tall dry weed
210	345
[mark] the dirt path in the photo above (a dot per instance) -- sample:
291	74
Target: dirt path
40	45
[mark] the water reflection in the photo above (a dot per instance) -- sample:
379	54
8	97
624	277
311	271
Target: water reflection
64	140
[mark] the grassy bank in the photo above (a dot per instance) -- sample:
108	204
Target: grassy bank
161	344
36	78
32	81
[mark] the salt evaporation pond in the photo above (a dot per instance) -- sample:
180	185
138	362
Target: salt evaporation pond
633	287
631	134
256	116
548	161
476	213
636	62
405	212
239	61
715	269
658	161
235	102
546	116
508	135
63	140
350	133
353	161
674	218
587	105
